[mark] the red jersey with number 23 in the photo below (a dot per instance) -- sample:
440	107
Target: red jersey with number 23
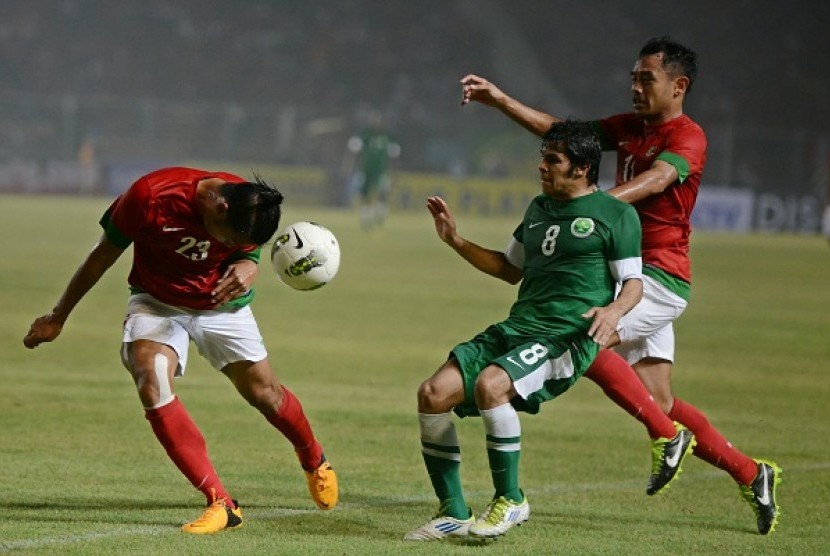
665	217
175	259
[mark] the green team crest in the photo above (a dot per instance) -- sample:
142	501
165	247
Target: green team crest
582	227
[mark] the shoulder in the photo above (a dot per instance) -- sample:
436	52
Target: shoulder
686	127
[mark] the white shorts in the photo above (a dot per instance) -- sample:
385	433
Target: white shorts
222	337
825	222
646	331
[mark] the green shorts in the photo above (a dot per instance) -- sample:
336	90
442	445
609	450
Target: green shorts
540	368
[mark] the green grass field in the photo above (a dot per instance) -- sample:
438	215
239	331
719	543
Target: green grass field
83	474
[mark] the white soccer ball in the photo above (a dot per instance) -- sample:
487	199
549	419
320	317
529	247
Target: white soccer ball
305	256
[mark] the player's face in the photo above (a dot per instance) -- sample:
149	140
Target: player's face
227	235
653	90
557	174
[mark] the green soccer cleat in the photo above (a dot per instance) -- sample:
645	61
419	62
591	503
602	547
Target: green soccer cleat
667	454
499	517
760	494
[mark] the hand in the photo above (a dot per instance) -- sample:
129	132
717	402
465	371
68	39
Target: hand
235	282
44	329
475	88
603	329
444	221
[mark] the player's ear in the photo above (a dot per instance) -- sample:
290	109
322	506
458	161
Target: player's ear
681	85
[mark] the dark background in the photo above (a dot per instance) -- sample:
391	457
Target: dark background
288	82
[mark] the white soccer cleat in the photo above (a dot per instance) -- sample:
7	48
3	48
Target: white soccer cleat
499	517
440	527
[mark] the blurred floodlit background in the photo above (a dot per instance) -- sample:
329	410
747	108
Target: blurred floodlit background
96	92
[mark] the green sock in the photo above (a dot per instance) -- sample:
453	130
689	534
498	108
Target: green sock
504	468
442	456
504	445
445	476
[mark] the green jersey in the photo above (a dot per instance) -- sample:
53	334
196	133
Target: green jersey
574	254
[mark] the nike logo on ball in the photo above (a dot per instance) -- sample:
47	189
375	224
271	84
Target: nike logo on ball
299	241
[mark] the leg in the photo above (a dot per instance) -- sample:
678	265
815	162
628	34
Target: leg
258	384
619	382
152	366
670	443
437	396
493	392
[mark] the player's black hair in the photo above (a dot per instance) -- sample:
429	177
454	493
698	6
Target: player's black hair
678	60
577	140
253	208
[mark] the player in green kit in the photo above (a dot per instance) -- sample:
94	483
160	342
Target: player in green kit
574	245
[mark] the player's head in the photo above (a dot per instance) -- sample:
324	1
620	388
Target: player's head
576	140
661	77
678	60
254	209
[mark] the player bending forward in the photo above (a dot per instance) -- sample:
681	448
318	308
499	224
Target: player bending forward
573	246
196	239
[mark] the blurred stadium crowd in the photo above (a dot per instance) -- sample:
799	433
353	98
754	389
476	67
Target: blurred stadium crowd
279	81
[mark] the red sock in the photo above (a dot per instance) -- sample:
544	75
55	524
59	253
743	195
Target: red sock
292	423
186	446
712	447
620	383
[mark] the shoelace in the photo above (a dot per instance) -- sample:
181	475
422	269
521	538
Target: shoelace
495	511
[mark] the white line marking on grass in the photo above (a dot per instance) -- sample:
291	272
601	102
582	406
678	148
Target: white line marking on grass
25	544
28	544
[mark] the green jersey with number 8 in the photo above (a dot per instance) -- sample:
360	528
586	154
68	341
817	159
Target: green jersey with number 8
574	253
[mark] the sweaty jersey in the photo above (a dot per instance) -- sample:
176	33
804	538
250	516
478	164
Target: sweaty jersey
665	217
574	253
175	259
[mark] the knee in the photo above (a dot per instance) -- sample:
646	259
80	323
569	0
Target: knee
431	399
493	387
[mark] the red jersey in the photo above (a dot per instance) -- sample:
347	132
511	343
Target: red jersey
175	259
665	217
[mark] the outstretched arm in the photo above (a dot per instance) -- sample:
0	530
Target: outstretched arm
49	326
488	261
475	88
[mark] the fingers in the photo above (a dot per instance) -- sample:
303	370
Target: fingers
469	83
436	206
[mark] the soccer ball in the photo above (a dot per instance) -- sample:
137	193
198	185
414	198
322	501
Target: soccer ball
305	256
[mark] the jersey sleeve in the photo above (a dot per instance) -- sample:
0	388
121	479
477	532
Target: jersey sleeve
123	220
624	248
685	150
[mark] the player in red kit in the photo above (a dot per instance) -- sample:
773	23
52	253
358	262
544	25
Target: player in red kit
196	239
660	157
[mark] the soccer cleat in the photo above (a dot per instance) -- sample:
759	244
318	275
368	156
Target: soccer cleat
667	454
761	495
322	484
500	515
217	517
440	527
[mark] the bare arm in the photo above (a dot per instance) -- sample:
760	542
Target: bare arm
651	182
487	261
604	326
47	327
475	88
